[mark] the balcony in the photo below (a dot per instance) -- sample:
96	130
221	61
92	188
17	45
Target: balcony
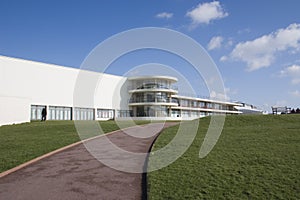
152	101
152	86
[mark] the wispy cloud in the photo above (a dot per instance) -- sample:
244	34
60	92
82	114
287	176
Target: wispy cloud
164	15
215	43
204	13
293	72
261	52
223	58
295	93
224	96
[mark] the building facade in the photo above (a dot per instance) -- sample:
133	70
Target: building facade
156	96
26	87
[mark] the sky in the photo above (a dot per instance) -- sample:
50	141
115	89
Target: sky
254	44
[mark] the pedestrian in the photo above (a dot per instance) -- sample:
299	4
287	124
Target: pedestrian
44	114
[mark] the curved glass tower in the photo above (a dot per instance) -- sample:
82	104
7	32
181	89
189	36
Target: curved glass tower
151	96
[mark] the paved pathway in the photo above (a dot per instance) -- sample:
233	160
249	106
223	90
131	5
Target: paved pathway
75	174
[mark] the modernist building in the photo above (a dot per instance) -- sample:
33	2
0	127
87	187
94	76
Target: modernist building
26	87
155	96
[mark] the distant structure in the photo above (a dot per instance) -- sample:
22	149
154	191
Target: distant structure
245	108
277	110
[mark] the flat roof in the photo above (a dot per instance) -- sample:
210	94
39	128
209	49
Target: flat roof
169	78
206	100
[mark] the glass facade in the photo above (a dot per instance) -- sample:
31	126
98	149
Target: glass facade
84	114
36	112
147	100
184	103
151	84
152	90
105	113
151	111
124	113
60	113
143	97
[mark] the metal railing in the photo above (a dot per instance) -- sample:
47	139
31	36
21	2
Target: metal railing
143	87
152	100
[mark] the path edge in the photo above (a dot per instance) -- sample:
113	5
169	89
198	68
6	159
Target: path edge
23	165
144	195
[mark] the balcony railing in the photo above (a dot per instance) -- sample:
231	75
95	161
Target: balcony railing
131	87
152	100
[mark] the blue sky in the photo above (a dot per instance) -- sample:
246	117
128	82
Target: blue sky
255	44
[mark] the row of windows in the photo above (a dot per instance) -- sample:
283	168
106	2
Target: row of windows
201	104
149	97
36	112
124	113
149	84
83	114
151	111
59	113
105	113
186	113
69	113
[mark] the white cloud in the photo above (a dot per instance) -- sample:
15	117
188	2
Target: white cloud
230	42
261	52
223	96
204	13
215	43
164	15
218	96
223	58
293	72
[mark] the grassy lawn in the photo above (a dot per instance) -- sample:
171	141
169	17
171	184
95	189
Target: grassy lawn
256	157
23	142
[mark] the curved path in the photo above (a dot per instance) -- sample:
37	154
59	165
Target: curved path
75	174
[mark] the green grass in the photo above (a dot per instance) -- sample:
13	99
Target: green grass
256	157
23	142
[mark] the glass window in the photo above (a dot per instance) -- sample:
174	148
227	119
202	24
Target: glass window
105	113
124	113
83	114
59	113
36	112
202	104
209	105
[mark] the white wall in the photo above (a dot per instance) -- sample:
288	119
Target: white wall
14	110
35	83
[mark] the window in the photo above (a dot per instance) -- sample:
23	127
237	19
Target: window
217	106
84	114
60	113
124	113
194	104
209	105
185	113
183	103
105	113
202	104
36	112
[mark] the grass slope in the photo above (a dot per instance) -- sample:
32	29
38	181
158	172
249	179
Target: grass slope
256	157
23	142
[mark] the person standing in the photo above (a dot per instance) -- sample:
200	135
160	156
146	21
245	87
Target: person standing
44	114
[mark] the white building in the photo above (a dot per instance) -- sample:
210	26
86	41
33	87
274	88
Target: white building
26	87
